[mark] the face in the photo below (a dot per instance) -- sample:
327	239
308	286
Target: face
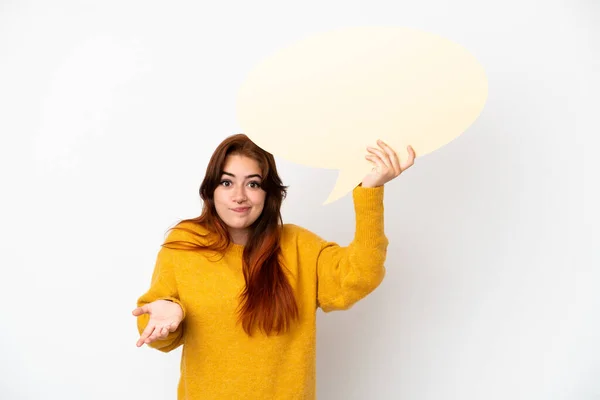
239	198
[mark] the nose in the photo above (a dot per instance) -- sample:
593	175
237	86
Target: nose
239	195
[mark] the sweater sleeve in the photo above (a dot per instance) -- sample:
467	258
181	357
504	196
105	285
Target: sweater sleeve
345	275
163	286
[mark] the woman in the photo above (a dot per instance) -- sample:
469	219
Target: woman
239	290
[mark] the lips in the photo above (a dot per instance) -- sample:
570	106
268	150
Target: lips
240	209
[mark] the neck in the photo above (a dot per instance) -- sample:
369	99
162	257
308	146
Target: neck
239	237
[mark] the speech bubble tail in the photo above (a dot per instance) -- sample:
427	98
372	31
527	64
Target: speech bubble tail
348	178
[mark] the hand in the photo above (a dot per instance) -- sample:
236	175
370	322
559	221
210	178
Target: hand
387	165
165	317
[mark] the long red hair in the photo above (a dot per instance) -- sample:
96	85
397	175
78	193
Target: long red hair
268	301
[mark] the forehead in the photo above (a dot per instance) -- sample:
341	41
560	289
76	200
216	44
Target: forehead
241	165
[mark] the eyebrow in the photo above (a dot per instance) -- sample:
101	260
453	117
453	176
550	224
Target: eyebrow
247	177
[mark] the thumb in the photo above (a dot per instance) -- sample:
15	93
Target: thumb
140	310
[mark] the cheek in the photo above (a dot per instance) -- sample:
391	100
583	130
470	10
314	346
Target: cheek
217	195
259	199
222	199
220	210
219	202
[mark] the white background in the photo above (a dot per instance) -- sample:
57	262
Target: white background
110	110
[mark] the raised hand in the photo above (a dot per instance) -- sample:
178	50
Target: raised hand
387	166
165	317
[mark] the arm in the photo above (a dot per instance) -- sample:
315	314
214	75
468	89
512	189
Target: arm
345	275
163	286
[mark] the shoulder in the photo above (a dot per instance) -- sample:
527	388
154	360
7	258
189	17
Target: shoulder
187	231
300	235
295	230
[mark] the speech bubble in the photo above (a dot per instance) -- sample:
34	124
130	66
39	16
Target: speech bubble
322	100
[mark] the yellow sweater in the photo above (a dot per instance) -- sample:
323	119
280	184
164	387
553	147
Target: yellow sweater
219	361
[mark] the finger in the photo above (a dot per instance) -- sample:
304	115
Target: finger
411	158
154	336
381	155
159	333
165	331
379	165
412	153
372	158
395	160
393	156
145	335
162	333
140	310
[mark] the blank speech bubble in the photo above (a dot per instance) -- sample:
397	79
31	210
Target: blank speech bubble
322	100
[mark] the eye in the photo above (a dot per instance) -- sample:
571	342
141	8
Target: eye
225	182
254	184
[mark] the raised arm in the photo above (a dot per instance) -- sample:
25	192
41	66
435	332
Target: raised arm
345	275
348	274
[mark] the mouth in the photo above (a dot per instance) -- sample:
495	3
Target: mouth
240	209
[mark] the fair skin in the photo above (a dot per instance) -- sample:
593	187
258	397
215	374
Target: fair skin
387	165
239	201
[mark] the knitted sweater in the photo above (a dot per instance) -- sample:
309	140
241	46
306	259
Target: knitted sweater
219	360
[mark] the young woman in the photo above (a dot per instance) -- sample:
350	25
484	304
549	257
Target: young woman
239	290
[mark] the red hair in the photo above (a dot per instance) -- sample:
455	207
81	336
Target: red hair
267	301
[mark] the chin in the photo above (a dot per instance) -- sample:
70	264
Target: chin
237	224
